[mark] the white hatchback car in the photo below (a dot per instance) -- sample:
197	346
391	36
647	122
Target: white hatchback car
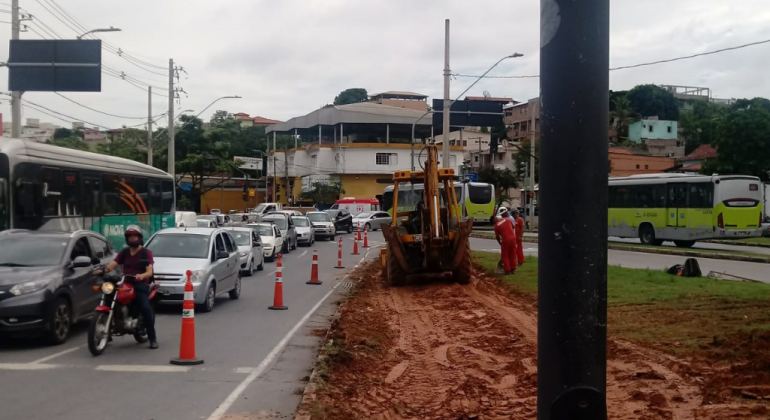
272	241
249	248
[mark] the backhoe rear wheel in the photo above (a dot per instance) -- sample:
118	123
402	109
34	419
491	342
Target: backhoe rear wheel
462	273
395	274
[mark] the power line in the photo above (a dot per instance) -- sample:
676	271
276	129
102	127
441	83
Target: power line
651	63
102	112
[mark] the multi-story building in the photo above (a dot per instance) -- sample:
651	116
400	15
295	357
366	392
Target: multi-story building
359	145
661	137
687	96
34	130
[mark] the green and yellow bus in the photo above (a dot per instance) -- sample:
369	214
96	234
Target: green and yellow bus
45	187
474	199
685	208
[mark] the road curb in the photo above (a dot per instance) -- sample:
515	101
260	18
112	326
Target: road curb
717	241
663	251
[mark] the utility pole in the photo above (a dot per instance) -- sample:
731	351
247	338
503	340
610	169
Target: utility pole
15	96
149	125
572	265
275	184
286	171
533	103
447	104
171	145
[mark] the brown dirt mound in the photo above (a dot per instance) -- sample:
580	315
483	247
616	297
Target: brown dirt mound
446	351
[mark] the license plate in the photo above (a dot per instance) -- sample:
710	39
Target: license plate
743	232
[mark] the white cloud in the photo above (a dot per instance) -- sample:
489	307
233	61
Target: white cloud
286	58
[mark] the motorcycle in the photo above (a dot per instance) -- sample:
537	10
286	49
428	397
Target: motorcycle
115	317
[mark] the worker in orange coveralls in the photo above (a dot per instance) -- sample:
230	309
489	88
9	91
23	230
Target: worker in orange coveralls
506	237
519	236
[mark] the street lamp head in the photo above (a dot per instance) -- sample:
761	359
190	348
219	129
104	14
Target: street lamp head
516	55
110	29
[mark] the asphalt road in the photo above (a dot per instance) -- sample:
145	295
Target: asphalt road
255	358
754	271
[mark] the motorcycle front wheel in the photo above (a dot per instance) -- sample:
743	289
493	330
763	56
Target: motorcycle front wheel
98	334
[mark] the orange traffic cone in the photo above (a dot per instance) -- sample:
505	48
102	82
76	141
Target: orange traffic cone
355	246
187	342
339	255
366	238
359	231
278	294
314	270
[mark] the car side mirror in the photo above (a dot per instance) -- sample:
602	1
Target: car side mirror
221	255
81	262
95	261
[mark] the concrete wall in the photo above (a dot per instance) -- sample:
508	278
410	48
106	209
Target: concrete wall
665	147
624	163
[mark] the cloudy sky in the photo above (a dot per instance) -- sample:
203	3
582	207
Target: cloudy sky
288	57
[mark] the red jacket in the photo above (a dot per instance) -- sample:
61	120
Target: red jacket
504	228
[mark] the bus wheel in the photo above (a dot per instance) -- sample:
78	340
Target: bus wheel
684	244
647	235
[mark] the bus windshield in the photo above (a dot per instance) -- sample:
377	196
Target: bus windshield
739	192
4	213
479	194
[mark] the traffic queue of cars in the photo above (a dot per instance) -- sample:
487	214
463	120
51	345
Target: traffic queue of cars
47	280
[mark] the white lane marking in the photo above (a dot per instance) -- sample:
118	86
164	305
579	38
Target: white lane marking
259	370
142	368
55	355
243	370
303	254
26	366
271	273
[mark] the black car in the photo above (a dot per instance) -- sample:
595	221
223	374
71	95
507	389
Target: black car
343	220
47	281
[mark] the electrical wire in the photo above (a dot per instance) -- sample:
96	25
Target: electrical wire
632	66
102	112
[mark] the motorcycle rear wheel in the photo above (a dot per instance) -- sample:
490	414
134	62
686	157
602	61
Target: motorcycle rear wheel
98	334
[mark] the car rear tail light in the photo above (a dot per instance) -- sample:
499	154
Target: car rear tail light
720	221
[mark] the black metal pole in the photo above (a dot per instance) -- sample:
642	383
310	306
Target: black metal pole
572	292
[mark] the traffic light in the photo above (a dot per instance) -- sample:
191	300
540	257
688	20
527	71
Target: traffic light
245	188
494	140
523	168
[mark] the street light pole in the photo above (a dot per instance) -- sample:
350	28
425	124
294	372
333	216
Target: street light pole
447	75
15	96
110	29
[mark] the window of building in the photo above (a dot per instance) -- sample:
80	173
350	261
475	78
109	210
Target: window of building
637	166
513	156
386	159
451	142
476	158
646	166
291	159
452	161
465	143
669	128
313	161
679	143
650	129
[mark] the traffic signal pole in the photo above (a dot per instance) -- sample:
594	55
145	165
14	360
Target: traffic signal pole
572	266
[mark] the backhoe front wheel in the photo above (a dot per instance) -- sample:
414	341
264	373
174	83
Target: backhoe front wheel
462	273
395	274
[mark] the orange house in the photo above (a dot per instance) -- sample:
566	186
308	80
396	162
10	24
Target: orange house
624	162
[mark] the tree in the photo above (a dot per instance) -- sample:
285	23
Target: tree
324	193
622	115
502	179
72	142
744	144
351	96
701	125
64	133
220	116
651	100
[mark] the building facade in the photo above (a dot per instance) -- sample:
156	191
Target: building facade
624	162
34	130
518	119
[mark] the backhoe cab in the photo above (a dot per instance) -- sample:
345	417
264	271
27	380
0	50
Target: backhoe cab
426	237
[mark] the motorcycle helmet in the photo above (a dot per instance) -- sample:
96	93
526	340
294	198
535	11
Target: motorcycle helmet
134	230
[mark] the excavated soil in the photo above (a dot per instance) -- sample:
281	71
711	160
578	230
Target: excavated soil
446	351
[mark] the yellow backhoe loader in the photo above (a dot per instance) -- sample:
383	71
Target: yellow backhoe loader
426	238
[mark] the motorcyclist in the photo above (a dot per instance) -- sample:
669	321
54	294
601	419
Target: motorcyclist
137	265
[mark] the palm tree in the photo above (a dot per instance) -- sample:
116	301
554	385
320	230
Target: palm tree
622	116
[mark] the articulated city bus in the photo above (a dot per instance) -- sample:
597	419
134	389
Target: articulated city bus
45	187
685	208
474	199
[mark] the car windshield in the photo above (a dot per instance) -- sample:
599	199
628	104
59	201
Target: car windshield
264	230
279	221
31	251
179	246
332	213
260	208
301	222
242	238
364	215
319	217
208	217
203	223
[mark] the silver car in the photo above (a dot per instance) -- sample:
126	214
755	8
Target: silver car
286	225
323	224
305	230
371	220
250	249
272	241
212	256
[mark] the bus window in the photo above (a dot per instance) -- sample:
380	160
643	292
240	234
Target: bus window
480	194
155	195
4	213
701	196
52	190
92	187
110	194
126	200
167	199
140	188
71	194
